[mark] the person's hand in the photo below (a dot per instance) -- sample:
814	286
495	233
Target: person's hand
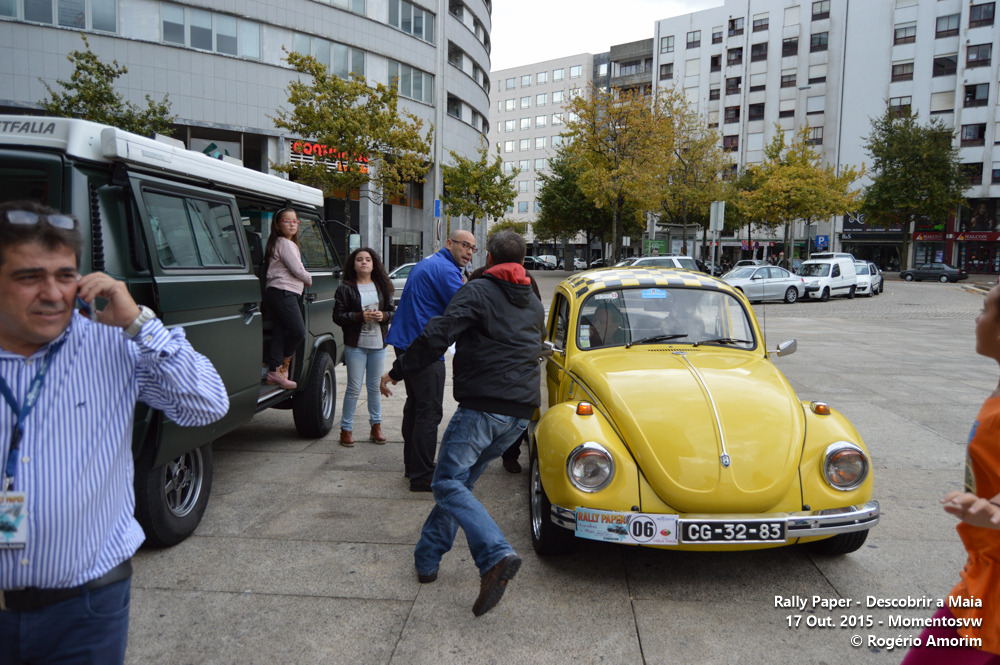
383	385
972	509
377	316
121	309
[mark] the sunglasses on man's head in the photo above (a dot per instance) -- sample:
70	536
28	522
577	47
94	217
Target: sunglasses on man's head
28	218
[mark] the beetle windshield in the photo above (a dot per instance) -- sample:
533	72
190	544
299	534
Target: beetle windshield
657	315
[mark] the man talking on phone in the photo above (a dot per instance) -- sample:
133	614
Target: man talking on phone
69	386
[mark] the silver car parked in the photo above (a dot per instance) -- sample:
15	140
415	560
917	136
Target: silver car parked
766	283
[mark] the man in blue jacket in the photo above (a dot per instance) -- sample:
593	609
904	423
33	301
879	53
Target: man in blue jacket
428	290
497	325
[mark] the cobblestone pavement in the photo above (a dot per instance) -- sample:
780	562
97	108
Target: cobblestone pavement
899	300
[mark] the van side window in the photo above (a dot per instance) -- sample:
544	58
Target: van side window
315	255
836	271
193	233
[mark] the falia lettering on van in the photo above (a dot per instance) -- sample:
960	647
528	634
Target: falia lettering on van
19	127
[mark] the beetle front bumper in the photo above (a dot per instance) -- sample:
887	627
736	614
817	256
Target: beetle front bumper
804	524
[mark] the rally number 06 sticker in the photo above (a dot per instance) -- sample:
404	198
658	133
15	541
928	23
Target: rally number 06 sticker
642	528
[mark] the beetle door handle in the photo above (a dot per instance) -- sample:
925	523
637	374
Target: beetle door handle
310	297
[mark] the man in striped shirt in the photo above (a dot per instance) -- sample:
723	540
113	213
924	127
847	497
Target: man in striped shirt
69	386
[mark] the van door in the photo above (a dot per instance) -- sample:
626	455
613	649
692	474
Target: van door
203	281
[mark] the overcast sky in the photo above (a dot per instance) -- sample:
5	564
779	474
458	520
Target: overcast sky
527	31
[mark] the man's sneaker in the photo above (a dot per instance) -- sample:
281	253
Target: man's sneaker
427	579
494	583
275	378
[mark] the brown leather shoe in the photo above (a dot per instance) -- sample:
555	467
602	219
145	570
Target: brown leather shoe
494	583
377	435
346	438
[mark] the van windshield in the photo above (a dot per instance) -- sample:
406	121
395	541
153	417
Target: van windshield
814	269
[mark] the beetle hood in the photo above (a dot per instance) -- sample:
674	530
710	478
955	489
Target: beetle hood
712	430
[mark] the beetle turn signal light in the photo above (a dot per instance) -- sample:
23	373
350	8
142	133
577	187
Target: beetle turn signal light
584	409
820	408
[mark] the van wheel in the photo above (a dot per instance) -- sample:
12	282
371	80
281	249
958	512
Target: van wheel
546	537
312	407
850	294
171	499
791	295
844	543
823	297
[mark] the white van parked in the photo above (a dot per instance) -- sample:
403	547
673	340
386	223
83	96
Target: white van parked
826	277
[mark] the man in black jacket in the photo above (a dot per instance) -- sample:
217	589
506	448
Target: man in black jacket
497	324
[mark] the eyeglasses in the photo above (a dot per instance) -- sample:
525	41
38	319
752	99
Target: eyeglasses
465	245
28	218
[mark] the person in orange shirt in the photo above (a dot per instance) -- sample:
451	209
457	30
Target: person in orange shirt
977	596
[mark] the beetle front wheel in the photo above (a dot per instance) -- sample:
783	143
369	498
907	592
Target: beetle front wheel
546	537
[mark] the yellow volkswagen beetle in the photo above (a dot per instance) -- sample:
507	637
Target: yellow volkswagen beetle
669	426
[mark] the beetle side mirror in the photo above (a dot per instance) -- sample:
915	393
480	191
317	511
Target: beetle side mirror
787	348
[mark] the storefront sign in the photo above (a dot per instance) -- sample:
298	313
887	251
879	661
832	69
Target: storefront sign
319	150
929	236
979	236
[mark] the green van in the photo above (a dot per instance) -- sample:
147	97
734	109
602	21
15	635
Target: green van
186	232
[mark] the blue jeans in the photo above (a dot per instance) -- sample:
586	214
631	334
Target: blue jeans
362	365
472	440
90	629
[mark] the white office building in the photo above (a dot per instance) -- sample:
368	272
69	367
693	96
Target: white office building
220	63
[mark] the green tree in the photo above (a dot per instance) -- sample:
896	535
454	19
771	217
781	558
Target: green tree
692	177
915	174
508	225
792	183
90	94
478	188
616	141
371	140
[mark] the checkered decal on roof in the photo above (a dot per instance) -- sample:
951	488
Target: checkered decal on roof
631	277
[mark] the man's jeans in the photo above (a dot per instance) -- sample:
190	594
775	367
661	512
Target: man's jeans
472	440
367	363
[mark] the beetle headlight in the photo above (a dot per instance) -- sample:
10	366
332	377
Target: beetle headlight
590	467
845	465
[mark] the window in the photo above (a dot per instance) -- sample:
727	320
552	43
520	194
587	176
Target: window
525	80
557	97
522	186
540	142
667	44
542	77
981	14
733	85
694	39
511	83
525	123
821	10
666	71
758	52
758	81
786	108
717	36
905	34
731	143
735	26
789	46
815	136
93	15
734	56
540	99
945	65
522	206
220	33
732	114
508	146
976	94
510	104
540	120
412	20
900	106
630	68
508	167
974	172
947	26
815	105
193	233
558	74
526	102
978	55
454	107
715	63
819	41
508	126
788	78
974	134
523	165
713	91
902	71
755	112
540	164
524	144
576	71
760	24
942	102
412	83
817	73
557	140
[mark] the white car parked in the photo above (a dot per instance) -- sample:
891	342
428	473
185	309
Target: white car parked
869	279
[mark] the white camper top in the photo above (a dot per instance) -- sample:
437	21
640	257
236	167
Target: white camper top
101	143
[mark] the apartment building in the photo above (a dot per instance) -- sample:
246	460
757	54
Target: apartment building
220	63
528	115
752	65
